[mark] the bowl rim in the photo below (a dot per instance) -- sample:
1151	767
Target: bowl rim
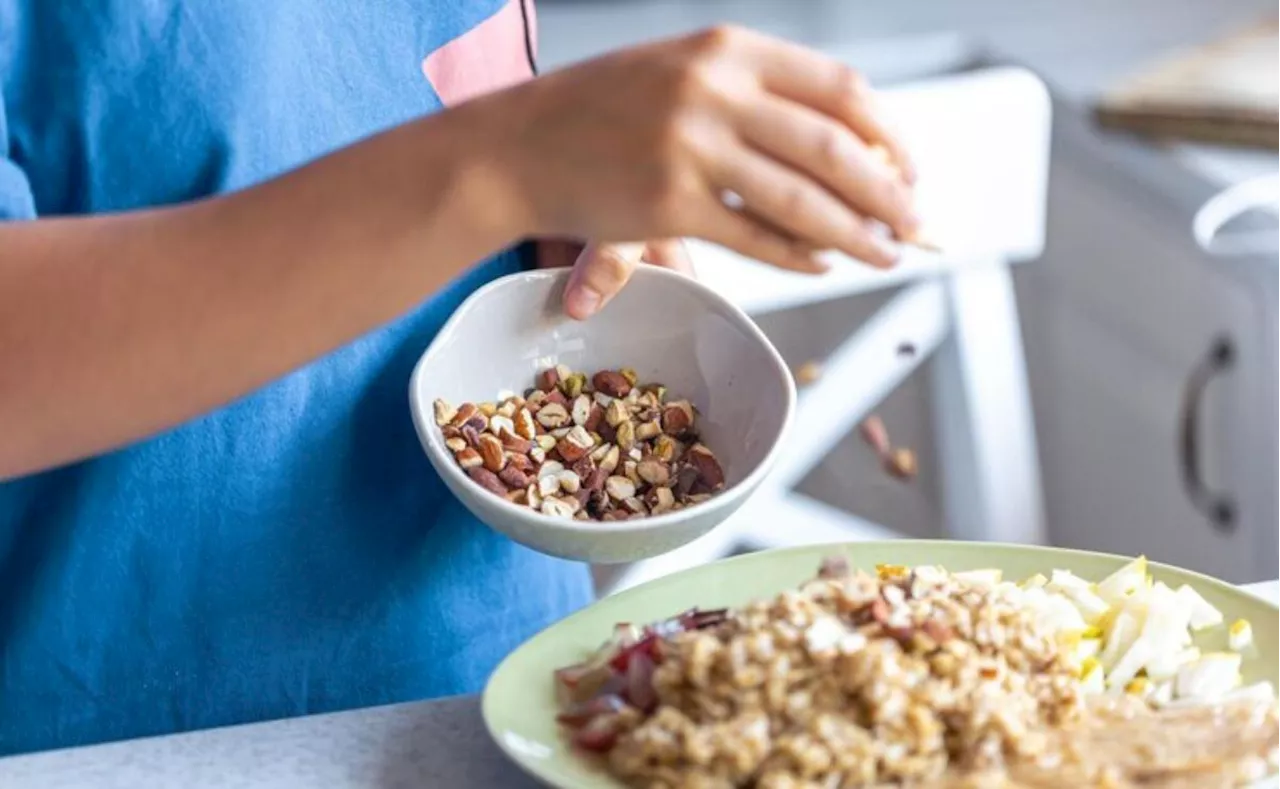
429	434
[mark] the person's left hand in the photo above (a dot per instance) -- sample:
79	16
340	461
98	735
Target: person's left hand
601	270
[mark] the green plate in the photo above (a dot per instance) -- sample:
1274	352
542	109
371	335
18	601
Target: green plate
519	702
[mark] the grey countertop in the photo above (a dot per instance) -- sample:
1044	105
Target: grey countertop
406	746
415	746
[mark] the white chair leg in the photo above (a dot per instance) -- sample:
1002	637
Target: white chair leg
985	430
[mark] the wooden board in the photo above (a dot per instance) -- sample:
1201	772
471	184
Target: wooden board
1225	92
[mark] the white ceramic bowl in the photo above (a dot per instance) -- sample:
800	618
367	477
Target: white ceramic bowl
670	330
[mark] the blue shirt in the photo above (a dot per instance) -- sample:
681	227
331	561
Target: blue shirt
294	552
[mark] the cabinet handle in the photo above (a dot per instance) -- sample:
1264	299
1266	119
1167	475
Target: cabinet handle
1219	508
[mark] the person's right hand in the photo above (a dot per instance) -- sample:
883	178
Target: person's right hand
648	143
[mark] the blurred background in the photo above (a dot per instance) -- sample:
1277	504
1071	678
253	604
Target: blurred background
1150	355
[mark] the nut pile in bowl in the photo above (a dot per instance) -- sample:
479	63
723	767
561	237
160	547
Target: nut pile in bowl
915	677
598	448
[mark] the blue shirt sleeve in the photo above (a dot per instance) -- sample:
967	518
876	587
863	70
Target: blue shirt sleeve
16	200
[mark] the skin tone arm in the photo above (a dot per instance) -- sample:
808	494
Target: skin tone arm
113	328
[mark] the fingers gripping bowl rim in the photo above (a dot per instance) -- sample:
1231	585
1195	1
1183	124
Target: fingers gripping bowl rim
667	327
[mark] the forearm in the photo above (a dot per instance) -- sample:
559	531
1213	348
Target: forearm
113	328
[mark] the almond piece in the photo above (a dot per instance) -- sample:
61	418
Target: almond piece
595	416
444	412
626	437
463	413
709	471
469	459
513	477
581	410
648	430
665	448
611	383
575	444
559	508
596	480
677	417
513	443
569	481
492	452
661	500
487	480
548	379
553	415
685	479
549	484
655	472
901	463
524	425
499	423
610	460
616	413
532	497
619	488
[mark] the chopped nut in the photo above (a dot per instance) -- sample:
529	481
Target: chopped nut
809	373
612	383
492	452
875	435
581	409
708	468
569	481
677	417
487	480
610	460
648	430
548	379
444	412
575	444
499	423
468	458
463	413
595	416
626	437
513	477
524	424
513	443
665	448
559	508
574	440
573	384
655	472
616	413
619	488
553	415
661	500
901	463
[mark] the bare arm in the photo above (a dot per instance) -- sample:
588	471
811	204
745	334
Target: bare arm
116	327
